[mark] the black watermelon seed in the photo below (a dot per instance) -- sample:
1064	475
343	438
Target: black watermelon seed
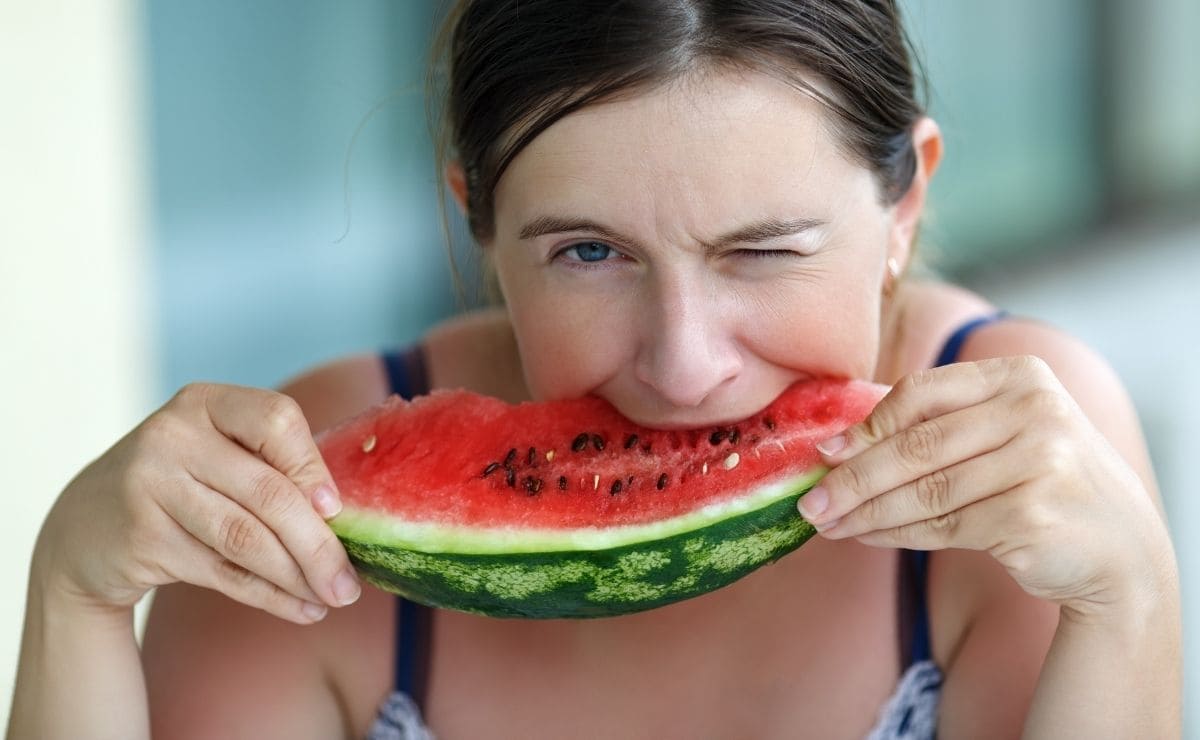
531	484
562	482
510	458
718	436
510	477
531	456
631	441
616	488
662	482
580	442
769	423
734	436
491	468
597	442
629	482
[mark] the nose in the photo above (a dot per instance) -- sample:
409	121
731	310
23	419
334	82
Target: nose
688	346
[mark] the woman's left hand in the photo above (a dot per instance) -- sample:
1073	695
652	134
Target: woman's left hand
995	455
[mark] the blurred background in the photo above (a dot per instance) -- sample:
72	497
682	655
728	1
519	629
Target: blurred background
235	191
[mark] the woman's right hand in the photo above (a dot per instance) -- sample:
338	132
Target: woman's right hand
223	487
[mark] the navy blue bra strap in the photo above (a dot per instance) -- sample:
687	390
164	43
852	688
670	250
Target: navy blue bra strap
406	371
413	636
920	648
953	345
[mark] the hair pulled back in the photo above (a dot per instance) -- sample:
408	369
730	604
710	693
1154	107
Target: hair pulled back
508	69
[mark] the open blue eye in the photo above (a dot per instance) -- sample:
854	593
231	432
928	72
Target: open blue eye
590	251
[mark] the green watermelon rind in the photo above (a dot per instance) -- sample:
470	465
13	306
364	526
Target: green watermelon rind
628	575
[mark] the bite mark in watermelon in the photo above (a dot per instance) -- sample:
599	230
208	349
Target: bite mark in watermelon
566	508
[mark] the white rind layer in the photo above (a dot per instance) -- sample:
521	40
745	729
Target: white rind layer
374	527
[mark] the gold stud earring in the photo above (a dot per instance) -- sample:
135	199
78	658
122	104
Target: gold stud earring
893	270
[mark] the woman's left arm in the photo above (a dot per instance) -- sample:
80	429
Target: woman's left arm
1050	477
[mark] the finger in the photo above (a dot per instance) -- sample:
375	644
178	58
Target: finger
236	535
272	426
907	456
278	503
207	568
930	496
918	397
982	525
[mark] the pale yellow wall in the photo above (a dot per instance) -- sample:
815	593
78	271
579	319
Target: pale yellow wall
75	360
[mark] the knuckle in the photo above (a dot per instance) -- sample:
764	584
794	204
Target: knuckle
1057	457
232	577
283	416
329	549
855	478
1031	367
933	491
914	382
239	536
1047	405
271	493
875	427
919	445
193	394
944	526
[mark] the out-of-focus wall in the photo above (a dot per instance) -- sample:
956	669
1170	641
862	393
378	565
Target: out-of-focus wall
78	363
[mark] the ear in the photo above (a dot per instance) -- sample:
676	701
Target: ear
456	180
927	143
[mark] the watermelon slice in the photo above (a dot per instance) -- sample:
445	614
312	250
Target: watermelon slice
566	508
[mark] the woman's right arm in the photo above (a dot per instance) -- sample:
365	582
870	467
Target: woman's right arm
220	488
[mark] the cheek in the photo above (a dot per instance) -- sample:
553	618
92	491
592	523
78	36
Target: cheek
826	328
569	344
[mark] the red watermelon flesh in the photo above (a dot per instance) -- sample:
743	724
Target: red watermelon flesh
460	458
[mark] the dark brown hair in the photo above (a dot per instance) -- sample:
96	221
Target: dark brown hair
508	69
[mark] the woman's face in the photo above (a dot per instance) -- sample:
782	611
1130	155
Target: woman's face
689	252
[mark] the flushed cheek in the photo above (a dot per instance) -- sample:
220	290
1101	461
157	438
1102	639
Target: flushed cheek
834	337
569	347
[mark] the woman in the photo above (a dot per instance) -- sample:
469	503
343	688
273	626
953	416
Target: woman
688	206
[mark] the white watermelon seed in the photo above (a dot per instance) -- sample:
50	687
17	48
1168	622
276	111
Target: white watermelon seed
596	483
732	461
704	469
550	456
369	443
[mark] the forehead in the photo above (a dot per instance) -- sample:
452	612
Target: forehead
723	138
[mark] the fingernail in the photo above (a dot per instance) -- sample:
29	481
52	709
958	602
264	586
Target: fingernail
315	612
345	587
326	503
833	445
814	502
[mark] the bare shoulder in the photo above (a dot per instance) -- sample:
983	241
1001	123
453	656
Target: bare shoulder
477	351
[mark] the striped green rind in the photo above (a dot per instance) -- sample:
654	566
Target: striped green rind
603	582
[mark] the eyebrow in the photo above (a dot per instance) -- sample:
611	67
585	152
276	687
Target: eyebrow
759	231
